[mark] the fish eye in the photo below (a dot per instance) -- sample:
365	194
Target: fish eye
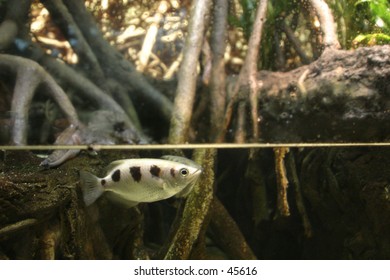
184	172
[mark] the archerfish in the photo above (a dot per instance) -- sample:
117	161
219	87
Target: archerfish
131	181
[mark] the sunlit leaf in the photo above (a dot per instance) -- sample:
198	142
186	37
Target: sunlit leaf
371	39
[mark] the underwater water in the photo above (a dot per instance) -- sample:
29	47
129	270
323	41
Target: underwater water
335	206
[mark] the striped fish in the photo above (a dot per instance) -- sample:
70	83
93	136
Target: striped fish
131	181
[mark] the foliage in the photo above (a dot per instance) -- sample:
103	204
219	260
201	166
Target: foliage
379	18
372	39
380	12
362	22
359	22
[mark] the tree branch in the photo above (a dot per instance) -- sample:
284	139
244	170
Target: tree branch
281	180
247	74
29	75
61	16
69	77
327	24
113	63
185	92
218	73
295	42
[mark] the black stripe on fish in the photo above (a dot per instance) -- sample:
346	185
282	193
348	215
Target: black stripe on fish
173	172
116	176
103	182
135	172
155	170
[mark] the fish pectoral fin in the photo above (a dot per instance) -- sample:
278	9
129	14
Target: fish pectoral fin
165	186
161	183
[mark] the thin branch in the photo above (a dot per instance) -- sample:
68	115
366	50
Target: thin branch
240	131
316	35
248	74
282	182
280	59
11	229
251	60
185	93
295	43
292	171
218	74
327	24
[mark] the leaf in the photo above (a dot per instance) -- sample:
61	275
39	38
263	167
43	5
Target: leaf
359	38
372	39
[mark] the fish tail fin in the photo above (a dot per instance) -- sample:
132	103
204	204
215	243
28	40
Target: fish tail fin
91	187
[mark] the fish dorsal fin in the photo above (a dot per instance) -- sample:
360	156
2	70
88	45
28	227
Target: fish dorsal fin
114	164
182	160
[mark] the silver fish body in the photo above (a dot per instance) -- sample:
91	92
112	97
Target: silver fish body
131	181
